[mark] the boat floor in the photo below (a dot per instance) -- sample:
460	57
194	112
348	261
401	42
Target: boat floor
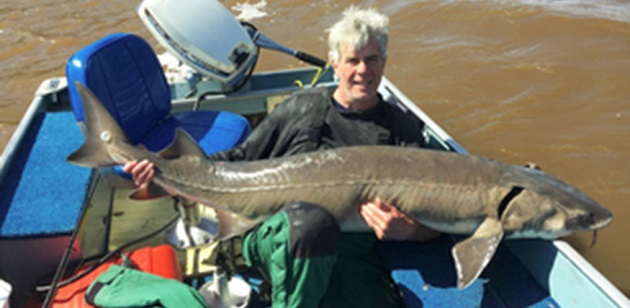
425	274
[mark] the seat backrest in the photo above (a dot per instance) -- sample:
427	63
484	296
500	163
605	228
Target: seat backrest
124	73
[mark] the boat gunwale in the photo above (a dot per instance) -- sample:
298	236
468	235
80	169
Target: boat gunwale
37	106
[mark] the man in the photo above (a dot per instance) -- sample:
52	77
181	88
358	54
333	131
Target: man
296	248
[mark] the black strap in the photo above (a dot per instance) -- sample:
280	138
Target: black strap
90	295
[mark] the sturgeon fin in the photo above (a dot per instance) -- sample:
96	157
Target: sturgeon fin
182	145
91	154
473	254
102	130
150	191
231	225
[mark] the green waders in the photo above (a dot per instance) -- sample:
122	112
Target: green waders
298	248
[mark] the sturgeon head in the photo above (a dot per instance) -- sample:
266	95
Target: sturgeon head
545	207
538	206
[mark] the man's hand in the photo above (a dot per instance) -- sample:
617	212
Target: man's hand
141	171
390	224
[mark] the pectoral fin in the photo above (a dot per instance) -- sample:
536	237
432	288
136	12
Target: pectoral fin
473	254
231	224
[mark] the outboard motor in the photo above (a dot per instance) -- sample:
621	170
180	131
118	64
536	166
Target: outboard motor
204	35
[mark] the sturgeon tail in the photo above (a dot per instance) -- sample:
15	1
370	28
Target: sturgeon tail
103	133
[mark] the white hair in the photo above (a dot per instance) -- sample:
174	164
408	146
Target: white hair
355	29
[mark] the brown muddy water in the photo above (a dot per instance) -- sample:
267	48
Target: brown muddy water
518	81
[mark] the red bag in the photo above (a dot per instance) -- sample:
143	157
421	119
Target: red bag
160	260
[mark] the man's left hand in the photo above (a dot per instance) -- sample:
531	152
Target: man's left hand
389	223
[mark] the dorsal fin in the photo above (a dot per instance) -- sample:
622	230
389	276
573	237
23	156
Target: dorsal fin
182	145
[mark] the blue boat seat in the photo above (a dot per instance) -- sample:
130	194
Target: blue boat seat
124	73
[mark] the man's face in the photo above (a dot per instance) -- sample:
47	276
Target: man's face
359	72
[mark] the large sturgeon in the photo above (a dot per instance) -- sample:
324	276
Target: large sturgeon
448	192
